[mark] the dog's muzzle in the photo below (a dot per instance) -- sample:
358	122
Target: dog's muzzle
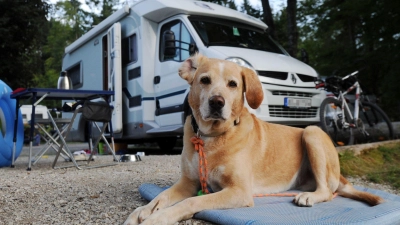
216	103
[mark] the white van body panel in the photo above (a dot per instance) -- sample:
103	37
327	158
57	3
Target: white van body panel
261	60
40	112
152	95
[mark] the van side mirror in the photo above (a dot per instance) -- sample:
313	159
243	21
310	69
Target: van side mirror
169	44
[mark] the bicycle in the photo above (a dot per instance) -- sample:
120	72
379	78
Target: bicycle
350	123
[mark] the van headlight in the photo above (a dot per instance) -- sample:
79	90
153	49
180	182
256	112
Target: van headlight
240	62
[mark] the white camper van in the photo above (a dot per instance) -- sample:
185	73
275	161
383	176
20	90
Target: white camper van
137	51
40	112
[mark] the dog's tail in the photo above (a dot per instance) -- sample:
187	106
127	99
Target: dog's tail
347	190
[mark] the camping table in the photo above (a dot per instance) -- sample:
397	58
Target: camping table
36	95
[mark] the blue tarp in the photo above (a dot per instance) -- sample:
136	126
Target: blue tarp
281	210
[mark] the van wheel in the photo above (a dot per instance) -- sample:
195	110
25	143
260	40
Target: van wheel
166	144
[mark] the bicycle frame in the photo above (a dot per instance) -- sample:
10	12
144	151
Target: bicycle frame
345	106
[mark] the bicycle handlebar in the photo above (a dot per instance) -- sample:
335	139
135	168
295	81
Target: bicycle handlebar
321	84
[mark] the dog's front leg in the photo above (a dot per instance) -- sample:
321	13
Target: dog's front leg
225	199
183	189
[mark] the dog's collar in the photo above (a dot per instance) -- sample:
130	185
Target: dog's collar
198	132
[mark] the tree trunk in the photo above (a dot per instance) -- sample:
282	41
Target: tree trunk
267	14
292	27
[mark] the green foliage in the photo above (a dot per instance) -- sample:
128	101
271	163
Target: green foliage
53	52
344	36
281	32
71	14
250	10
380	165
106	7
23	28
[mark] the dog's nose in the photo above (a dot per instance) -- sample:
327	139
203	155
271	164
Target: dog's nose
216	102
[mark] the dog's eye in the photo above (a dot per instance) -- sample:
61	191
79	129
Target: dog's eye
232	84
205	80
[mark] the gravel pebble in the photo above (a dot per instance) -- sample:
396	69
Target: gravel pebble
104	195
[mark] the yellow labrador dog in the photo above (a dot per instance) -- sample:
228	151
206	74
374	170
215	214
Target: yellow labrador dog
245	156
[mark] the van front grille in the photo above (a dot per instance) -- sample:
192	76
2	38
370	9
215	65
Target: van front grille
281	111
306	78
273	74
292	93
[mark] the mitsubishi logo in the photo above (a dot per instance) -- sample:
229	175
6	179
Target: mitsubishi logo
294	79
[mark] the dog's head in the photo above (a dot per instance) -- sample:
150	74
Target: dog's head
217	91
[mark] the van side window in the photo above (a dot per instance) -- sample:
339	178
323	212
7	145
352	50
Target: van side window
75	73
129	50
183	39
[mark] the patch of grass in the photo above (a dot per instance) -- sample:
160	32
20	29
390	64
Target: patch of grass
379	165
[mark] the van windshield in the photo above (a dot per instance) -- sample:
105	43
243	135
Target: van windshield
218	32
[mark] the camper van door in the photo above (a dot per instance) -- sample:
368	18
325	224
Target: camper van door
115	74
170	90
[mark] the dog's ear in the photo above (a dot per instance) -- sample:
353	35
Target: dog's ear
189	66
253	88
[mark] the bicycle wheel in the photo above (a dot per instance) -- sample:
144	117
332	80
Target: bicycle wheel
373	124
332	122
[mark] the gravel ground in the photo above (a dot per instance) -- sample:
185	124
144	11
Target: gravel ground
93	196
104	195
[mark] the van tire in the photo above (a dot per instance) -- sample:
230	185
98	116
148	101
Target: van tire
166	144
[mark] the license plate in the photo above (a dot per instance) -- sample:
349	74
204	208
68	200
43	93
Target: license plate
297	102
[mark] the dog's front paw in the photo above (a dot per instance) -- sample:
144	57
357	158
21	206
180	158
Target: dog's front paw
168	216
156	218
304	199
138	216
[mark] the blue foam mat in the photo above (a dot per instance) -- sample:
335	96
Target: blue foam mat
281	210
